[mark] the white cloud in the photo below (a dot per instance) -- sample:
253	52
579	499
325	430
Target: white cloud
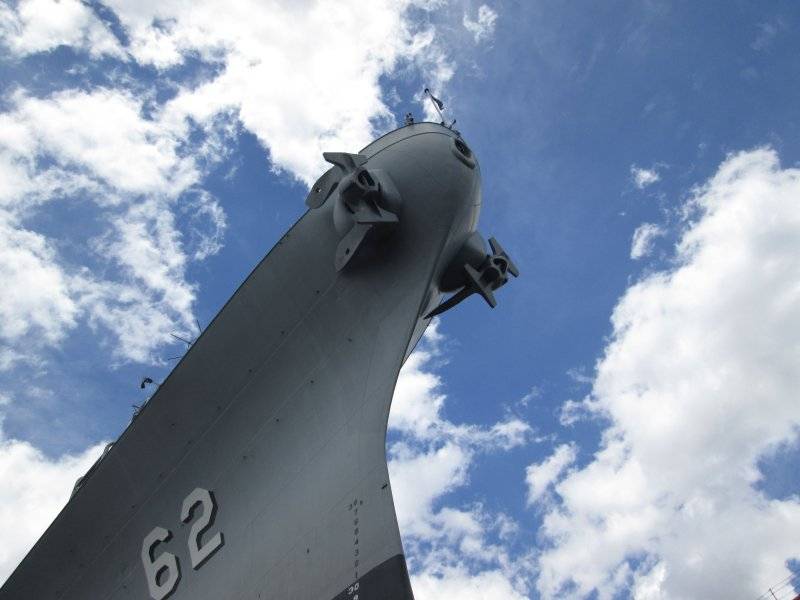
419	401
644	177
303	78
481	28
208	223
98	148
449	548
42	25
421	478
34	490
571	412
578	375
699	383
643	238
535	393
434	454
35	294
458	582
8	358
152	298
103	134
541	476
767	32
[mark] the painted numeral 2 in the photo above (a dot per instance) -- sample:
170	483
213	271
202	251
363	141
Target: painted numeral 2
163	571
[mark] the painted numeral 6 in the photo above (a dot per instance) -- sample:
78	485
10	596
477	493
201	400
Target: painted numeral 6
161	585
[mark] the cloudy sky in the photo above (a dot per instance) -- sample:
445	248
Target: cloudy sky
624	425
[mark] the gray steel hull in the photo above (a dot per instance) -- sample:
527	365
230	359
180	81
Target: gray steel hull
280	410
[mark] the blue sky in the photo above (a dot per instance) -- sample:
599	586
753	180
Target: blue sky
624	424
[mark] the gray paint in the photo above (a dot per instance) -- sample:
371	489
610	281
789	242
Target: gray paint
280	410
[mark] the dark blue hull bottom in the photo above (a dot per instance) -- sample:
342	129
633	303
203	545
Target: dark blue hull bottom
388	581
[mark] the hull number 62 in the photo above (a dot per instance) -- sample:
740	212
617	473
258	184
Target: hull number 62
163	571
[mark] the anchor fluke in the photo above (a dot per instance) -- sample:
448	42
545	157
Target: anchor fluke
490	274
366	202
344	160
499	252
